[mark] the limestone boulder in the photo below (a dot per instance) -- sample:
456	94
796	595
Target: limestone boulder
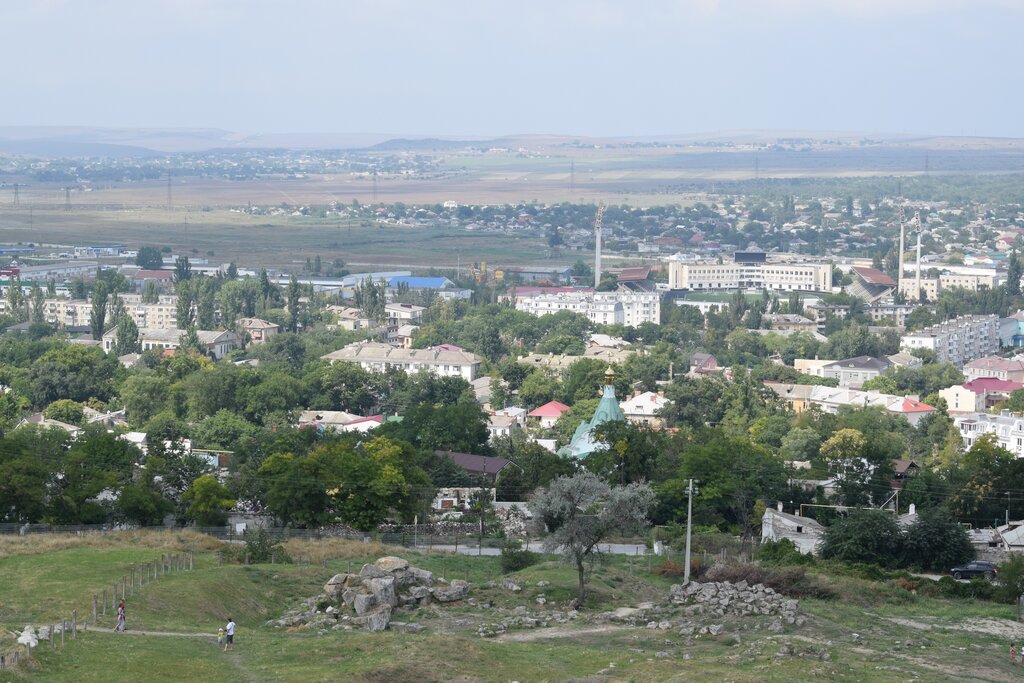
456	590
391	564
364	602
384	590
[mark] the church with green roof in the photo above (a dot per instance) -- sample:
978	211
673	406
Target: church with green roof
583	440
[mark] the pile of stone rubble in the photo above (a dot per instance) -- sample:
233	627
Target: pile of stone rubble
739	599
368	599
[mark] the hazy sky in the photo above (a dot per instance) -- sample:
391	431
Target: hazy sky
476	67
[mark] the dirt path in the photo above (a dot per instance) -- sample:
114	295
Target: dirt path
557	632
170	634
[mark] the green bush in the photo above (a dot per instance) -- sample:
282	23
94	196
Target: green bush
947	587
259	548
1010	580
514	558
781	553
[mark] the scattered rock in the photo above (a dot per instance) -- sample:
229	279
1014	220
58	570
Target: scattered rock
391	564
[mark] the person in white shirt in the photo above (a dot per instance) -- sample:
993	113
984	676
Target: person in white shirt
229	634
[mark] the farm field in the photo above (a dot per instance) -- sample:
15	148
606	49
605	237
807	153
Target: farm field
871	631
274	242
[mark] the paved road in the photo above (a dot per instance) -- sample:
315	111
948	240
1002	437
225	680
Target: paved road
610	548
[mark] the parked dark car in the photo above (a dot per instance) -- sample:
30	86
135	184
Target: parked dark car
972	569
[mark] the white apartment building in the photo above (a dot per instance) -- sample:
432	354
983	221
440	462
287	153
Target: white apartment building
377	357
780	277
162	315
957	341
934	287
603	308
1008	428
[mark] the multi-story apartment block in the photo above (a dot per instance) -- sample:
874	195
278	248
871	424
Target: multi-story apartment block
957	341
1008	428
934	287
162	315
750	272
603	308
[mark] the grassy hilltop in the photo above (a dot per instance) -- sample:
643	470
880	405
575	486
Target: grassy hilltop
900	635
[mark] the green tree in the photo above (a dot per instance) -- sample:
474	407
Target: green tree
182	270
98	317
232	273
208	501
127	337
801	443
38	299
936	541
581	511
845	453
868	536
149	258
1013	273
150	292
140	503
67	411
293	305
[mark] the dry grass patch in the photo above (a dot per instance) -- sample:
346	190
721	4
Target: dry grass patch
326	549
34	544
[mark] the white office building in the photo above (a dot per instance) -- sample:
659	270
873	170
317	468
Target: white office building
778	277
1008	428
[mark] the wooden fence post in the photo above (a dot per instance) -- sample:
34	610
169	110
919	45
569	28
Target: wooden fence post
15	659
155	571
132	591
191	561
95	613
124	587
74	624
63	628
3	662
104	602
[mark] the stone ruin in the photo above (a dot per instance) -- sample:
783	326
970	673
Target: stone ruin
738	599
368	599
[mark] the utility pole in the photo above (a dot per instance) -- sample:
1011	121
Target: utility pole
689	528
1007	508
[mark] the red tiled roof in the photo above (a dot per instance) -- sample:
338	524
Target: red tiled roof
549	409
985	384
912	406
873	276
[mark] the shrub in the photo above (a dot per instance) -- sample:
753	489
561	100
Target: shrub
947	587
514	558
781	553
259	548
671	569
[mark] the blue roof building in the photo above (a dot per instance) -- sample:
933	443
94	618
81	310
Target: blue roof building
583	440
421	282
